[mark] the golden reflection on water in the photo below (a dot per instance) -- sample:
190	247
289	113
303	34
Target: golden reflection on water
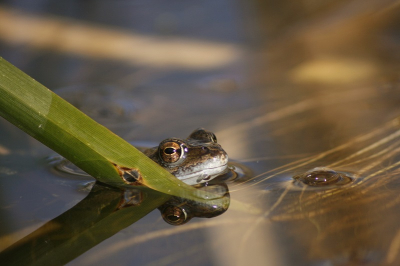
329	70
351	224
333	71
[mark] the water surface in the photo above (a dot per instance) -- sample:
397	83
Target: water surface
301	86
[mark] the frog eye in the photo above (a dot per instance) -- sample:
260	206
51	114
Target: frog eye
170	152
176	215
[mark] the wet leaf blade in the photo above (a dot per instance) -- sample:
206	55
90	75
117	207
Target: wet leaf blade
92	147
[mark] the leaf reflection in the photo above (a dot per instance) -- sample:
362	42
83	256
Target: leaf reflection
104	212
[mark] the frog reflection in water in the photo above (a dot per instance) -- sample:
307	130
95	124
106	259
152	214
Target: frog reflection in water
197	159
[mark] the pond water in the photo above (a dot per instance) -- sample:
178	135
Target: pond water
303	96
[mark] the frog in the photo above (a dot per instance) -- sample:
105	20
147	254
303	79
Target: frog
195	160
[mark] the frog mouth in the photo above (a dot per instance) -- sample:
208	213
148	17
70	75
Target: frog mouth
203	175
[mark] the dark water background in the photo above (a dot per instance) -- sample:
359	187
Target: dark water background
286	86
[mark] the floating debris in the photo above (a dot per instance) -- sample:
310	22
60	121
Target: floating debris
323	176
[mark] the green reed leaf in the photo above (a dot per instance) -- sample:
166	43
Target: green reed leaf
89	145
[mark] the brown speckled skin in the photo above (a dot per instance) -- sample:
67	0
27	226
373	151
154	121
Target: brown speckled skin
198	150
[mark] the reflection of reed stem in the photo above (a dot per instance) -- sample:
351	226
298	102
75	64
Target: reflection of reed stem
298	164
373	156
368	148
